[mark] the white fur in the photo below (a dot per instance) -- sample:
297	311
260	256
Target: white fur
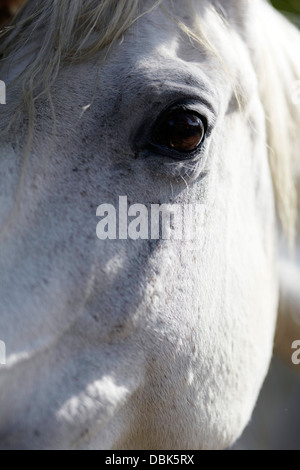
138	344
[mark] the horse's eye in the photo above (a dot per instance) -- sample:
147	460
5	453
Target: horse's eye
180	130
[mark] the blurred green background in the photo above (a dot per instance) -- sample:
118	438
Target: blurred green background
291	8
288	6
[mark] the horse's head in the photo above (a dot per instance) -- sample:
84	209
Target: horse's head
135	343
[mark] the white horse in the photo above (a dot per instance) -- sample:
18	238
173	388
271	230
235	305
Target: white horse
141	344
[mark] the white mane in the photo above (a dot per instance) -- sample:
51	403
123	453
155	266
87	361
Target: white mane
278	74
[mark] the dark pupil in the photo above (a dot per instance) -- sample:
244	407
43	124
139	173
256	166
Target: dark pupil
180	130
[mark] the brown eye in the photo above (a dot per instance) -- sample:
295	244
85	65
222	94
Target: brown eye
180	130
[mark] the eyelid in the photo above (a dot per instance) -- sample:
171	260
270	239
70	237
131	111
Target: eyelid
203	109
174	154
187	109
195	105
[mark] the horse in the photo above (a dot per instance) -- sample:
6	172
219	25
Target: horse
146	343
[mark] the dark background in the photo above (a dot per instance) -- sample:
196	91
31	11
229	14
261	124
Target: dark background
289	6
